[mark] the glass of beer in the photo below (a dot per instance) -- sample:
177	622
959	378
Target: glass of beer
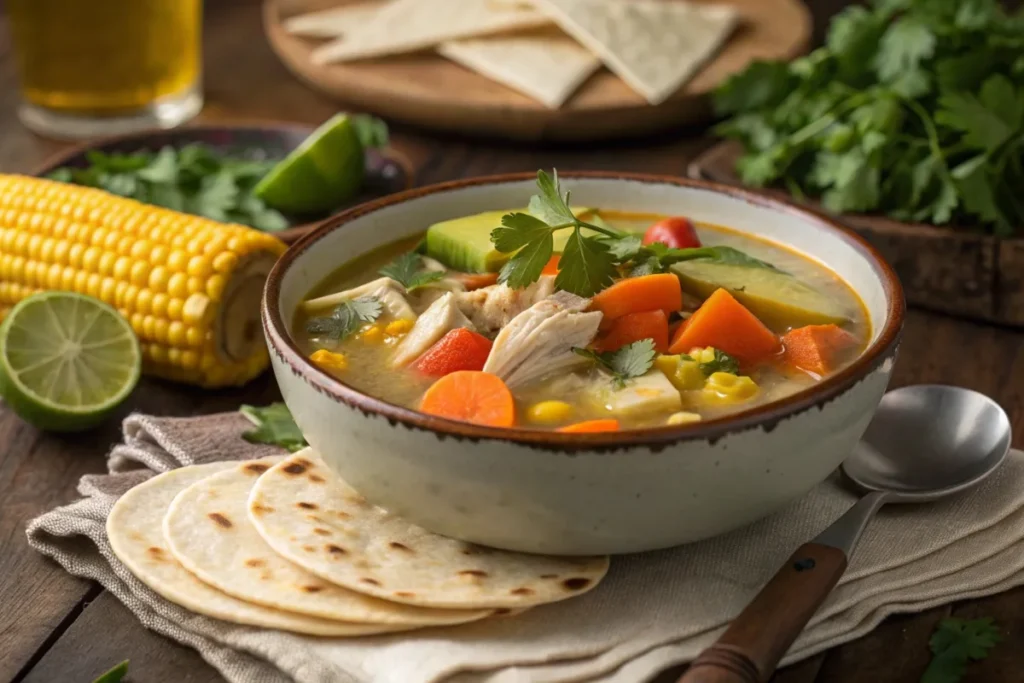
100	67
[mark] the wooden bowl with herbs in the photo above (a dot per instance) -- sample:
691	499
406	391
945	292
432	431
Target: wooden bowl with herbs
215	170
909	125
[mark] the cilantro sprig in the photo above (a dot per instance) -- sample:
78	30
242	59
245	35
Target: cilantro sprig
632	360
594	255
912	108
409	271
345	319
956	643
274	425
722	362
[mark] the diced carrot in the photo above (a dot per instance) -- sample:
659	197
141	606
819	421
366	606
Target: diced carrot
724	323
815	348
591	427
471	396
660	292
551	267
460	349
473	281
634	327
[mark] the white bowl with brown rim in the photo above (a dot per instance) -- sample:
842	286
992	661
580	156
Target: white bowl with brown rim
549	492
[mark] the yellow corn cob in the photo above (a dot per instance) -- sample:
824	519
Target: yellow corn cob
189	286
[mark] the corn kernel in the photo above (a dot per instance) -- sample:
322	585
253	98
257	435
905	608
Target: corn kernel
159	304
53	276
724	388
177	261
122	268
140	273
177	286
161	330
106	264
108	288
198	266
372	334
140	250
174	308
398	327
703	355
144	301
190	360
549	412
682	418
158	279
215	287
176	334
685	375
330	360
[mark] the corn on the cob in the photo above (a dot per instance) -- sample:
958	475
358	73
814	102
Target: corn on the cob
189	286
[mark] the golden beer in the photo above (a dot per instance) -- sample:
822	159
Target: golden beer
106	65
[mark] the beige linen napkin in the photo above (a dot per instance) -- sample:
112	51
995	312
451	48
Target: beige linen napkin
653	610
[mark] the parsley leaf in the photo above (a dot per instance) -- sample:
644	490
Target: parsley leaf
346	318
408	270
906	44
632	360
586	267
114	675
551	206
274	426
528	264
955	644
722	362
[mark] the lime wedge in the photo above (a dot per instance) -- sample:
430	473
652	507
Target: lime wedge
319	175
66	360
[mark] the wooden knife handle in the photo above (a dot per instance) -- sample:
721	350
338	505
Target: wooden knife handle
760	636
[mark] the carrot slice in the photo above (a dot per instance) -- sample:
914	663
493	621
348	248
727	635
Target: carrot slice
660	292
460	349
634	327
815	348
551	267
591	427
471	396
473	281
724	323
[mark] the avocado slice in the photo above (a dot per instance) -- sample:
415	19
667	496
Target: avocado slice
778	299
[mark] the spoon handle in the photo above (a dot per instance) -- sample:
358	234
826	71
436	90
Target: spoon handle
758	638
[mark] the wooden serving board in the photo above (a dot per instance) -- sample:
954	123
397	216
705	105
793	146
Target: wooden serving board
429	91
969	275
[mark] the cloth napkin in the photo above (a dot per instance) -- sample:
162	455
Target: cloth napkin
653	610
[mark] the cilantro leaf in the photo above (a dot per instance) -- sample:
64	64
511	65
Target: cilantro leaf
632	360
586	267
626	247
955	644
408	270
722	362
517	230
273	425
114	675
982	127
551	206
346	318
526	266
762	84
906	44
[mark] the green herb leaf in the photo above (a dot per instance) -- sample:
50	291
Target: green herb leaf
722	362
346	318
274	426
408	269
906	44
632	360
551	206
114	675
956	643
586	267
762	84
526	266
517	230
371	131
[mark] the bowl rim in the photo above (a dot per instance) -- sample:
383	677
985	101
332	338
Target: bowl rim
765	416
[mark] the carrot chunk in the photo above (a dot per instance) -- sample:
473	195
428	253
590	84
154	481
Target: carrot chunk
473	281
634	327
660	292
551	267
591	427
723	322
460	349
471	396
815	348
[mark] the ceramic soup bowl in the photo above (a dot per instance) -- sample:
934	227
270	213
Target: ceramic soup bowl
548	492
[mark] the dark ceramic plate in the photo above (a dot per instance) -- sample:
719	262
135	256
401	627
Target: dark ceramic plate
386	170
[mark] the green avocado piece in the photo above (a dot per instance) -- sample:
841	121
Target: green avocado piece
778	299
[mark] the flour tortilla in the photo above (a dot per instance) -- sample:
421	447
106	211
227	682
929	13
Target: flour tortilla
391	558
405	26
548	66
134	531
334	22
655	46
207	530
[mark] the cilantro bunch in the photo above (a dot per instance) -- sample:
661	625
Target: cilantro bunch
274	425
913	108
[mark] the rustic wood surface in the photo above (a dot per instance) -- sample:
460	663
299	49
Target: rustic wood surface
428	90
55	628
950	271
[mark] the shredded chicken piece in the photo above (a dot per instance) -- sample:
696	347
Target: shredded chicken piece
389	292
442	317
492	308
539	341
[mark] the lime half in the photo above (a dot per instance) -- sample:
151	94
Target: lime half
66	360
320	174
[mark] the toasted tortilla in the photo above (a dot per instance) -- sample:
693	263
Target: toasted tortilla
207	529
548	66
655	46
388	557
405	26
134	531
334	22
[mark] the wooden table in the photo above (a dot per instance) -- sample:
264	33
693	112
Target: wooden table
55	628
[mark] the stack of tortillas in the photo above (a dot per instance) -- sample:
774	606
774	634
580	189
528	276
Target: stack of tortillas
545	49
283	543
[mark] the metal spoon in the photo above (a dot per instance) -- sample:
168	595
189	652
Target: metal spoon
925	442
